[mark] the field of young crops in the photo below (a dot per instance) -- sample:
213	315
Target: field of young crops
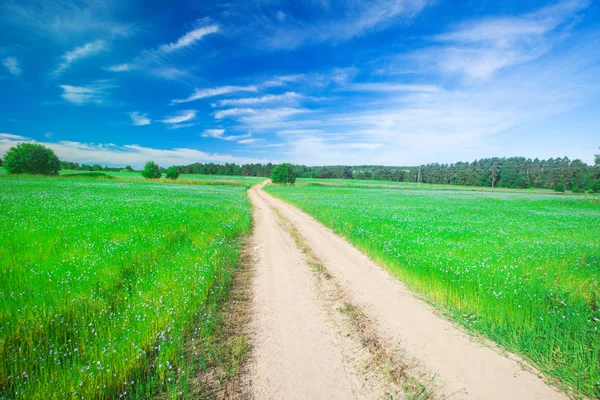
523	269
108	289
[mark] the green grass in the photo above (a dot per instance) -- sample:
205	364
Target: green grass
366	183
110	287
520	268
243	180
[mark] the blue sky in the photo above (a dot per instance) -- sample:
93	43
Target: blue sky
393	82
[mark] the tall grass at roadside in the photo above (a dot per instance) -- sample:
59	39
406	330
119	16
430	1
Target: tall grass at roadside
107	289
523	269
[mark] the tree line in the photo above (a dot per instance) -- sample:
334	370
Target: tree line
511	172
506	172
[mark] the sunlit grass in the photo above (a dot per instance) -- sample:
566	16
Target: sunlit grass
523	269
245	180
366	183
104	285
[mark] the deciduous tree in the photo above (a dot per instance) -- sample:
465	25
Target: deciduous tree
31	158
283	173
151	171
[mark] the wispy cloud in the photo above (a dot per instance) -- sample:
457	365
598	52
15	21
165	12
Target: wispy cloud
158	61
139	119
234	112
12	65
249	141
189	38
11	136
339	21
78	53
478	49
96	93
216	91
263	118
335	76
213	133
121	67
269	98
62	20
220	134
180	117
391	87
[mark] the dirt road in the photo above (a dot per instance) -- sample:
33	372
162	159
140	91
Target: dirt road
306	347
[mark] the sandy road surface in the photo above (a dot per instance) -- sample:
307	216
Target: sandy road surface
297	351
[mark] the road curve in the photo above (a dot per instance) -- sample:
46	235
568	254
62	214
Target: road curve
295	350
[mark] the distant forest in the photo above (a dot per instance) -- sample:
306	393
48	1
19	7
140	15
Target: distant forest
512	172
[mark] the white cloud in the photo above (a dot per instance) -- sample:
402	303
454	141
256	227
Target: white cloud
478	49
156	61
213	133
95	93
139	119
451	125
220	134
269	98
391	87
249	141
10	136
189	38
131	154
180	117
78	53
309	132
341	21
121	67
257	116
12	65
233	112
65	20
282	80
337	76
216	91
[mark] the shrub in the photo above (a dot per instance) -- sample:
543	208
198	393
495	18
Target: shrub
590	191
283	174
172	173
577	190
151	171
31	158
559	188
596	186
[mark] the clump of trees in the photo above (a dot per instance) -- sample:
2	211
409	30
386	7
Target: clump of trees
31	158
1	162
263	170
283	173
151	171
172	173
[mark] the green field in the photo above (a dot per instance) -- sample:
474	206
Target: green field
521	268
369	183
243	180
110	287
